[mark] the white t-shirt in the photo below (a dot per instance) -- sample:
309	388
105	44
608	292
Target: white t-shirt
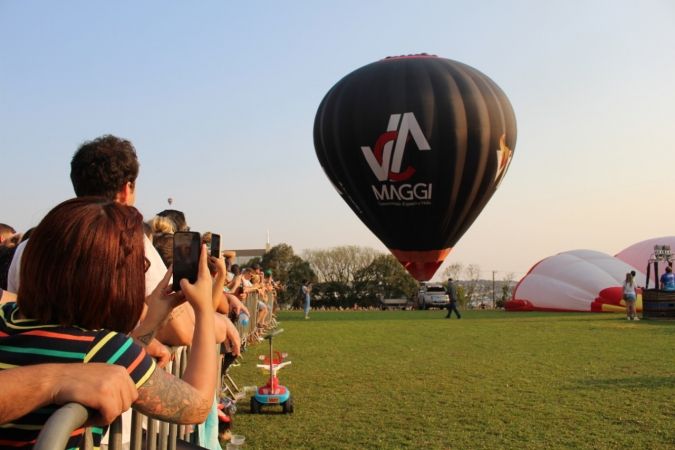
157	269
13	274
629	288
153	276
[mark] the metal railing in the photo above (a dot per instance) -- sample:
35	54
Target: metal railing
158	435
56	431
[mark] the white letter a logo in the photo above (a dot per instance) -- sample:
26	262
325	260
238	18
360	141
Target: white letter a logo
382	162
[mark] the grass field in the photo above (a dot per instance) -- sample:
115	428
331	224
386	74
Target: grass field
411	379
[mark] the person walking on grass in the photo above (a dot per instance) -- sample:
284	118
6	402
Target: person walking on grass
306	290
452	296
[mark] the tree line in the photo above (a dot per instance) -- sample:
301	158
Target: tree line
351	275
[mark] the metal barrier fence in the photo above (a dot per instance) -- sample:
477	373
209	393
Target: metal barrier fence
245	331
57	429
159	435
250	332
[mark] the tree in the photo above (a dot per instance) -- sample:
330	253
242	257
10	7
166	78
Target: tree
472	275
506	289
299	272
461	295
254	260
384	277
339	264
287	268
453	271
332	294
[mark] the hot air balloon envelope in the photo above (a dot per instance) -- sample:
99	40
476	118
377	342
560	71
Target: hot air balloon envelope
638	255
577	280
416	146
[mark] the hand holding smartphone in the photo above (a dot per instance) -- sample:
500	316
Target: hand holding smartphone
186	248
215	245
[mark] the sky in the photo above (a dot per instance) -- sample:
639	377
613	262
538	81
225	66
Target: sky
219	99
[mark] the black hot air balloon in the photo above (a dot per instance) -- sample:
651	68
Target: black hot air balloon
416	145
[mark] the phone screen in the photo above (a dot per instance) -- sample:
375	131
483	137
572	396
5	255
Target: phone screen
215	245
186	246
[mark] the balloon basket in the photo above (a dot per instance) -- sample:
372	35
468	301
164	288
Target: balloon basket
657	304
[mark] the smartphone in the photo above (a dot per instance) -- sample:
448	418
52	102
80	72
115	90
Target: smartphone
215	245
186	248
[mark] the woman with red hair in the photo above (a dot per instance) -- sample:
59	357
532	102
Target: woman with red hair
82	291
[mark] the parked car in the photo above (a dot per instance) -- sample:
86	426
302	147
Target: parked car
395	303
432	295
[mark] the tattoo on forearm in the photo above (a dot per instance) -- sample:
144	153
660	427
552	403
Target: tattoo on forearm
167	398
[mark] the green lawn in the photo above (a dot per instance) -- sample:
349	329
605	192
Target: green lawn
411	379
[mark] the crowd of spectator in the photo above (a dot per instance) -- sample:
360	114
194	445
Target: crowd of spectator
88	290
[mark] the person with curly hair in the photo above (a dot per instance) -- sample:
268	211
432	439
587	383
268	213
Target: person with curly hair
108	167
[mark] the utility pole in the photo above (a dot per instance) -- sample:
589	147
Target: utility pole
494	304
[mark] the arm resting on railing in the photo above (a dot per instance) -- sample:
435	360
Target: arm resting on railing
105	388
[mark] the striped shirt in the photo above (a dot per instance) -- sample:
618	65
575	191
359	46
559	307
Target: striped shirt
25	342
